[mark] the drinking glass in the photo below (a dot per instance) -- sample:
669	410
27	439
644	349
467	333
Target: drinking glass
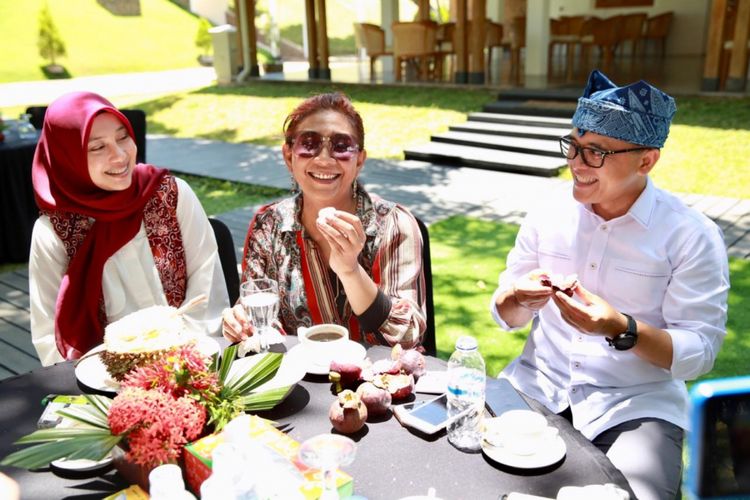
260	298
327	452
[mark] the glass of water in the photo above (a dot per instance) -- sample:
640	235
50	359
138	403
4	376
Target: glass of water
260	298
327	452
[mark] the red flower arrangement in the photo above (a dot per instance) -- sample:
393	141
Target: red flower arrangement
161	407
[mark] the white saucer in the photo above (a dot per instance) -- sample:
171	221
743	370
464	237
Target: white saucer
92	373
348	351
550	454
81	465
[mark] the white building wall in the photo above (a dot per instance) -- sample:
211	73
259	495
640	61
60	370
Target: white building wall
213	10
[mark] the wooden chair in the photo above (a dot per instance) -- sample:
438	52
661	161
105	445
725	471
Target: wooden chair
657	30
446	48
604	35
516	41
630	29
415	42
371	37
565	32
494	38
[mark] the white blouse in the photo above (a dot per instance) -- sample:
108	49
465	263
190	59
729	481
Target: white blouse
130	280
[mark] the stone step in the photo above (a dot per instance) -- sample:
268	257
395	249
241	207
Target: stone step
511	130
544	147
490	159
558	95
527	120
535	108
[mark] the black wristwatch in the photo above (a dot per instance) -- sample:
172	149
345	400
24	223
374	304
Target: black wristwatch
627	339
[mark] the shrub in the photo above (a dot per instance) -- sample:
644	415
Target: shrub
50	43
203	37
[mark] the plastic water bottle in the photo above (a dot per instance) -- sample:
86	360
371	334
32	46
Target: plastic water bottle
166	483
466	384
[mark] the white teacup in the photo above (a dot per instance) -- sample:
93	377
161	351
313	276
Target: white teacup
520	432
322	342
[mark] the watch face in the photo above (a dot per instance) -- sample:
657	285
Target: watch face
624	341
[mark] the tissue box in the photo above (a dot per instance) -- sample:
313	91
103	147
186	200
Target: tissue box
198	459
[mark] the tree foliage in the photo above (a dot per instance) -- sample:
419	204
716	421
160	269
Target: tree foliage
50	43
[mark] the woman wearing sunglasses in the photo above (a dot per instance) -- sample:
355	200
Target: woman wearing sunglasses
113	236
340	254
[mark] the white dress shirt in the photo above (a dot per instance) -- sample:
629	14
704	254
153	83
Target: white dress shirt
663	263
130	281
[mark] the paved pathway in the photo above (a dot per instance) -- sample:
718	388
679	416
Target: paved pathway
431	191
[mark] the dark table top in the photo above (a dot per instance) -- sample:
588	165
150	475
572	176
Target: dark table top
391	461
18	209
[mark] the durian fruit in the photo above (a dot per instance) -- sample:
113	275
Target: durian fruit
141	337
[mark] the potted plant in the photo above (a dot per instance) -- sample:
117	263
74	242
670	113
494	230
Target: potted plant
50	43
203	42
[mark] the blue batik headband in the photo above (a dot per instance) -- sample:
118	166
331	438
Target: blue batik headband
638	113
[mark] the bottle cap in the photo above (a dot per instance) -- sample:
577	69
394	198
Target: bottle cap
466	343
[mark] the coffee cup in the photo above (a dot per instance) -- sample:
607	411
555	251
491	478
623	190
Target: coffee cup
520	432
322	342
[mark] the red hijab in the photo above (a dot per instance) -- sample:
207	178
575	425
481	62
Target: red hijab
62	184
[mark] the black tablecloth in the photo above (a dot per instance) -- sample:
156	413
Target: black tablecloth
18	210
390	462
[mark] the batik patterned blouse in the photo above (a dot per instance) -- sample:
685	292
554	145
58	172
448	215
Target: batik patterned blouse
277	247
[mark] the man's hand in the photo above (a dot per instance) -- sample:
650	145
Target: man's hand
529	292
591	314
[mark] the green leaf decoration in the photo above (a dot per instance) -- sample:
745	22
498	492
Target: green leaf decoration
265	400
91	448
262	372
227	358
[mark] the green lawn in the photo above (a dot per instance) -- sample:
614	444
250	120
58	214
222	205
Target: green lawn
97	41
708	151
467	258
218	196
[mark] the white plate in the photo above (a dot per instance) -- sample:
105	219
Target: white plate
550	454
289	373
349	351
82	465
92	373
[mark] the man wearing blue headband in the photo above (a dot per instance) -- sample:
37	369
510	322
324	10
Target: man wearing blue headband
625	288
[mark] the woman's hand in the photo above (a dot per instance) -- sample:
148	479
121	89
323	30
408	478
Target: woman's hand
235	325
346	238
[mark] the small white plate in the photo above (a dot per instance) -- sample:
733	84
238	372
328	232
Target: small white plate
82	465
289	373
349	351
92	373
550	454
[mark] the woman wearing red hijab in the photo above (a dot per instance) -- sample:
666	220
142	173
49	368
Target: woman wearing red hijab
113	236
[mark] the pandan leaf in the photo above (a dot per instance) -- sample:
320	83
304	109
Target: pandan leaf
227	358
92	414
56	434
90	448
263	400
263	371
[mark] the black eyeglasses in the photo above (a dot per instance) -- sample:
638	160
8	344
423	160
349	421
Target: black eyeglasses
592	157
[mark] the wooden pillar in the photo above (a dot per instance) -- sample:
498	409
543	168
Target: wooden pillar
324	71
714	45
423	14
459	41
312	40
252	35
738	63
476	44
